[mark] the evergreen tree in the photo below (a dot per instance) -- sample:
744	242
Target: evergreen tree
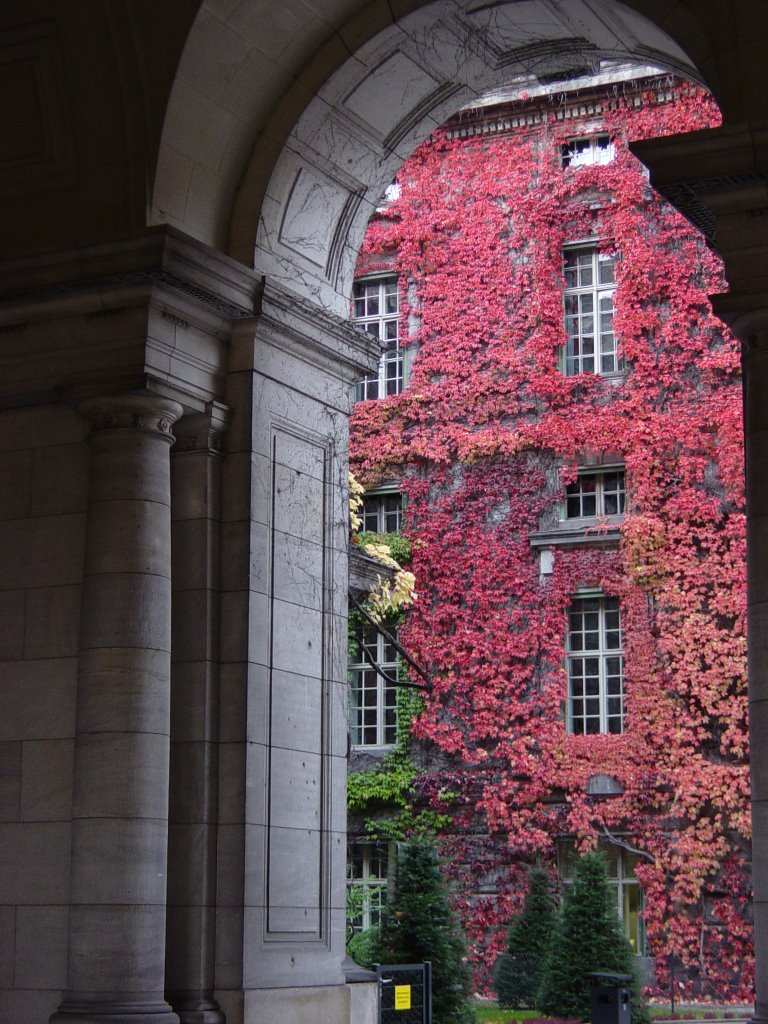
518	971
587	937
418	925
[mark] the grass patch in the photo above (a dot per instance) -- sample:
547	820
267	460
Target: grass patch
489	1013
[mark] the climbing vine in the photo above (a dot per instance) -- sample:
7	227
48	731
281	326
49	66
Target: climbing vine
484	439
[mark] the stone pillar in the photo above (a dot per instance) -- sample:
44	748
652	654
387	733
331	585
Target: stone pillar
193	817
717	179
120	801
755	362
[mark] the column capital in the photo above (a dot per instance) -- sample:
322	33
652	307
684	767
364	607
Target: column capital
130	410
202	431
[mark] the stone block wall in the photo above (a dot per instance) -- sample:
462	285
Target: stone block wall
43	468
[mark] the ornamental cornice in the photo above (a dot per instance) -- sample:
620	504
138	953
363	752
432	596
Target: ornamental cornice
315	335
70	281
157	306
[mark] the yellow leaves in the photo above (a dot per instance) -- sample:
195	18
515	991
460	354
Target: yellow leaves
356	491
381	553
389	597
390	593
644	546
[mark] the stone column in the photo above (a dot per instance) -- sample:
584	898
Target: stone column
755	362
192	836
120	802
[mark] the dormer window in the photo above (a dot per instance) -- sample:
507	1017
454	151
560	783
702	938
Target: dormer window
596	494
588	151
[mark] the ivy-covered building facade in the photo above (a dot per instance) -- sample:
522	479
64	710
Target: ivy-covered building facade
553	442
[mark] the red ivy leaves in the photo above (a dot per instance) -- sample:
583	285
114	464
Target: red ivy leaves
478	436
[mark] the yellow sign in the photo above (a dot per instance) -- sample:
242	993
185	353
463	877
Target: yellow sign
402	997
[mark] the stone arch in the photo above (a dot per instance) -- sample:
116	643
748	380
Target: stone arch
280	160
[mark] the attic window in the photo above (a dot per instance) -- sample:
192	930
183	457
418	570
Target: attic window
588	151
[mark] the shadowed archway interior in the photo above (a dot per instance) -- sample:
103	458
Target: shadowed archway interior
185	188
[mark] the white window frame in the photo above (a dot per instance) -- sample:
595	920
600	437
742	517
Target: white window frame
594	664
623	882
600	492
588	303
374	862
375	312
381	513
372	700
587	151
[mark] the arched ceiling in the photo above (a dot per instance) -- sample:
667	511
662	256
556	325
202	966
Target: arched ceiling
305	191
117	114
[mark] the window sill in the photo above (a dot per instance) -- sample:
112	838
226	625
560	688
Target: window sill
579	532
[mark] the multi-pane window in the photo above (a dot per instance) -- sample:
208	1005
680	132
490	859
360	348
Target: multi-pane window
595	663
377	310
367	866
588	151
596	494
622	879
589	289
373	700
382	513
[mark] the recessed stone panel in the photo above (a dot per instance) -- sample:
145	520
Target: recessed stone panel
296	761
513	25
390	92
297	641
296	792
313	209
34	124
298	726
293	881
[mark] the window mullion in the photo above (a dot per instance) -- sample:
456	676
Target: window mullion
602	664
380	684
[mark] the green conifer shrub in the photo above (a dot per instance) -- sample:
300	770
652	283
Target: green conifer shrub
587	937
518	971
418	924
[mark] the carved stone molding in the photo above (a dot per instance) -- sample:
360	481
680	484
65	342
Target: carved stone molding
155	311
315	334
160	256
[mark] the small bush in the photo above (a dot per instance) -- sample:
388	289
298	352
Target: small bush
362	946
